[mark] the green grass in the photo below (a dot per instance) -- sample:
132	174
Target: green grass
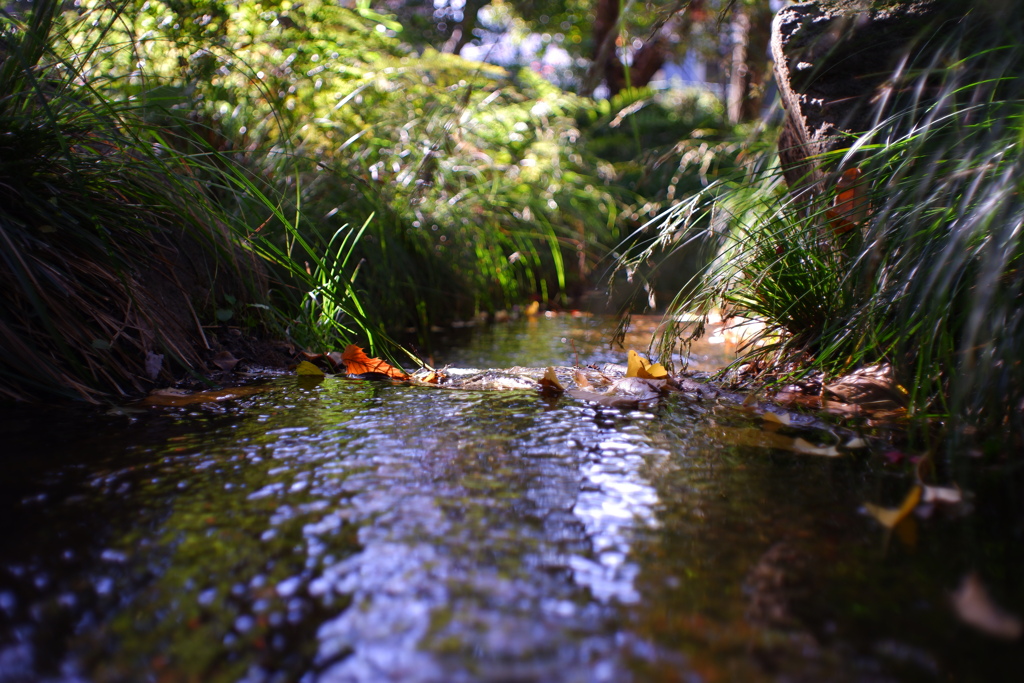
931	281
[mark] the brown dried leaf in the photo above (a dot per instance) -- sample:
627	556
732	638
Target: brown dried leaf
549	384
225	361
607	400
581	380
177	397
975	607
761	439
777	418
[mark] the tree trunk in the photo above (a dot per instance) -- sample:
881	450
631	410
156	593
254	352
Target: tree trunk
605	65
748	73
463	31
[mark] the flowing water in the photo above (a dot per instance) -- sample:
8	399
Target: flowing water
343	530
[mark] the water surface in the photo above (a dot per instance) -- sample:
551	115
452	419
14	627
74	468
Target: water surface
341	530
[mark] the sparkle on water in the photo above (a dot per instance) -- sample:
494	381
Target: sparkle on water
342	530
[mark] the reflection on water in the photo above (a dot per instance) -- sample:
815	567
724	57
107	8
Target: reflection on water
357	531
569	340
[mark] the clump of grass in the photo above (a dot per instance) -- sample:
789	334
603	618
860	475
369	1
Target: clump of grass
110	246
930	280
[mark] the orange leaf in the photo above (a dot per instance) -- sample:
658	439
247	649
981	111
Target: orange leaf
357	363
850	206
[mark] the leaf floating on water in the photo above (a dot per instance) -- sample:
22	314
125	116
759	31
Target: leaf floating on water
777	418
975	607
307	369
607	400
759	438
890	517
179	397
638	366
358	363
581	380
808	448
549	384
942	494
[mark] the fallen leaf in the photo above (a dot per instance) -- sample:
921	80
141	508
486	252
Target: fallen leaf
638	366
533	309
759	438
890	517
549	383
581	380
942	494
307	369
225	361
778	418
975	607
607	400
807	448
358	363
178	397
850	206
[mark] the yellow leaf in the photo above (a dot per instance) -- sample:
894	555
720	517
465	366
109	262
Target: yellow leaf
307	369
656	371
638	366
890	517
533	309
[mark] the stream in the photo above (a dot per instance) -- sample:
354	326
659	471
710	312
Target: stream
338	530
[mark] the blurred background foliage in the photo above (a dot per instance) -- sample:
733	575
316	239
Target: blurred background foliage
371	182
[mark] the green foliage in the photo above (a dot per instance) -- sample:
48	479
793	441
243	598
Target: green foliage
478	194
357	188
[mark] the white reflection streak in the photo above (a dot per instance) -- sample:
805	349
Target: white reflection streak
614	499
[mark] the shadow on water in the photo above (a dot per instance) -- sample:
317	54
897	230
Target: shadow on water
356	531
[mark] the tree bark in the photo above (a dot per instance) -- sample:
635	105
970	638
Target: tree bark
463	31
748	71
605	65
738	71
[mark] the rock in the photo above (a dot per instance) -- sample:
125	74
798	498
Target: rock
833	60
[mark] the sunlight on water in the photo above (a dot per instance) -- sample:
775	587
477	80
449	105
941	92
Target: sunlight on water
348	531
